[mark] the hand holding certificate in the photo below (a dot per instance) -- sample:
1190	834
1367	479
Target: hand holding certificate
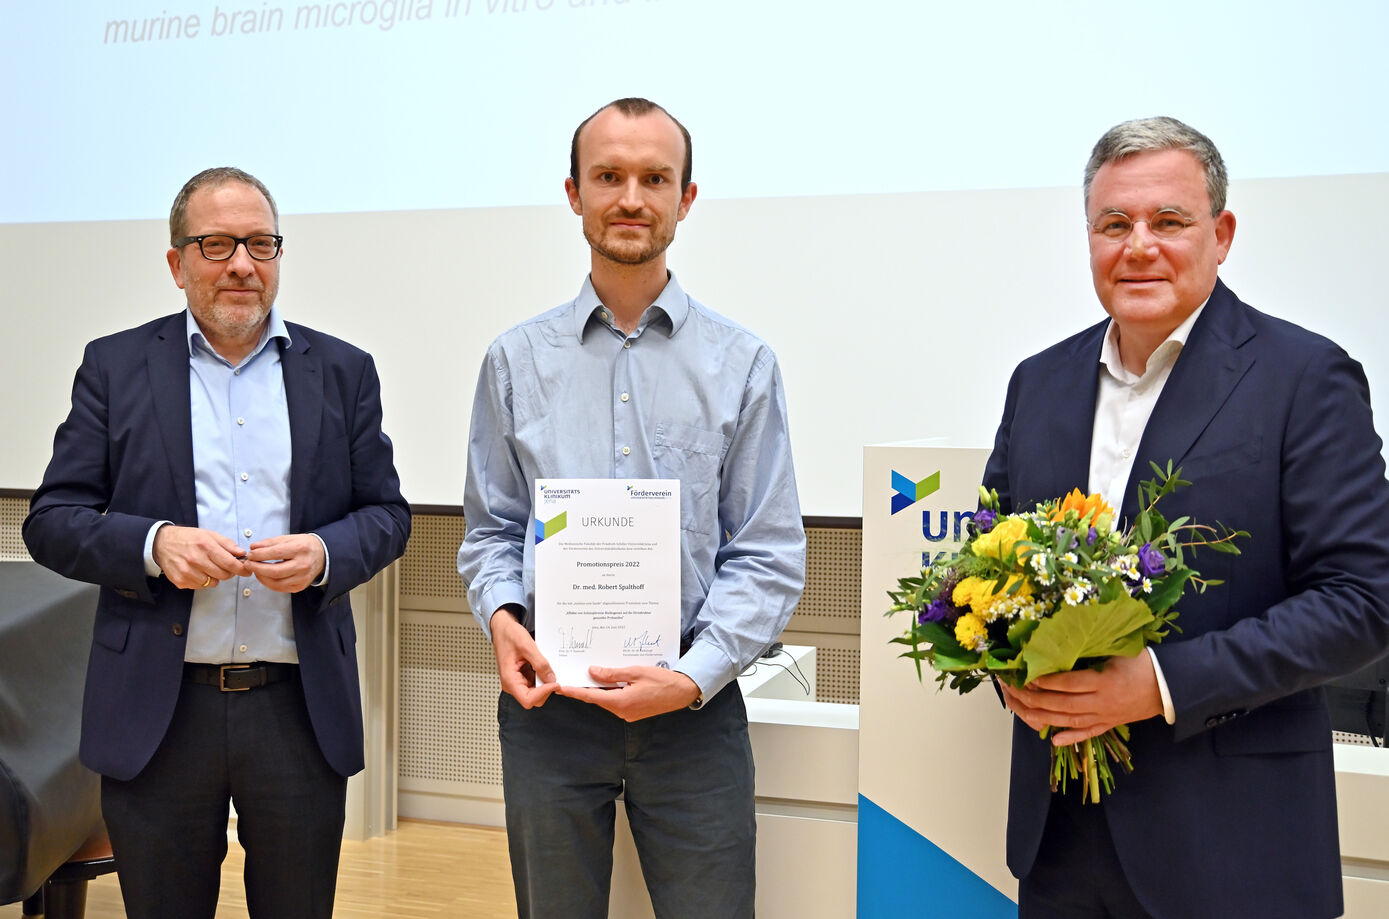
607	575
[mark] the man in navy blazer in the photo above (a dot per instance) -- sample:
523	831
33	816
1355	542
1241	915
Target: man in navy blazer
1231	808
224	477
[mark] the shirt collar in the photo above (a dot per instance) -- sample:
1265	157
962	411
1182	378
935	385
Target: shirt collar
274	328
1162	355
673	304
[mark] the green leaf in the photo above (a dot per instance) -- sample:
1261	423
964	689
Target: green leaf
993	663
1073	632
1166	594
1020	630
949	662
938	635
1111	590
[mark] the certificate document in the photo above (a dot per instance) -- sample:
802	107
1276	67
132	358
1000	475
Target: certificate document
607	574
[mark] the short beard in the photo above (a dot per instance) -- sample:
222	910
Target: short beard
238	324
627	256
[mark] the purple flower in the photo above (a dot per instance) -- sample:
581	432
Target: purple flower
938	610
984	520
1090	537
942	608
1150	561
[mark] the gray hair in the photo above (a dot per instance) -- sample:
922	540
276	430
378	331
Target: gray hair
1145	135
215	177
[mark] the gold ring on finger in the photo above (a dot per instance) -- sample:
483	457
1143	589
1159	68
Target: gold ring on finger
208	582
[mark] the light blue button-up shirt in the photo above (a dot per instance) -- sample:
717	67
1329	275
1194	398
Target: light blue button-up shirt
688	395
241	464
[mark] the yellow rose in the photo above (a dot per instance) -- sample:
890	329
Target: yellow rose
999	542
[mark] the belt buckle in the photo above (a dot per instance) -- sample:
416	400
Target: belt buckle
222	677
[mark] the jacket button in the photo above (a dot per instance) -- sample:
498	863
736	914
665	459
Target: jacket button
178	629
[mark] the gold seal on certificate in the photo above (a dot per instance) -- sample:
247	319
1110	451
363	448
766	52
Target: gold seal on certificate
607	574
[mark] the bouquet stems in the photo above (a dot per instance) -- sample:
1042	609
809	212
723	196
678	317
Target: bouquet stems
1091	762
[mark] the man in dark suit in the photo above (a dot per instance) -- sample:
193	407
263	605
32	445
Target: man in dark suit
223	476
1231	809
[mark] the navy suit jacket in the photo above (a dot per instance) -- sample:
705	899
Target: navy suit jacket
123	460
1232	810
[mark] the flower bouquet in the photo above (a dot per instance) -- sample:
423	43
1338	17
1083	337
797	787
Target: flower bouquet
1052	590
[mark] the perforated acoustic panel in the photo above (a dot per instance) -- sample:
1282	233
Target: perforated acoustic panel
830	602
429	571
12	514
448	701
836	675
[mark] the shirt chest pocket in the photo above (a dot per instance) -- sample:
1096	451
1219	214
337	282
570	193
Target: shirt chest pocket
695	457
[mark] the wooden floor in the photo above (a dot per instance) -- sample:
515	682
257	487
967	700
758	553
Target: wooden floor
423	870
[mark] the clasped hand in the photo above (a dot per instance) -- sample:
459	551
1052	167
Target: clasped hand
1085	703
528	678
193	558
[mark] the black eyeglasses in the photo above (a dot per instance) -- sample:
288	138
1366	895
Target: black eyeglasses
216	247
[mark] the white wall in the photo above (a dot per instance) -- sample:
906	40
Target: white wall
869	300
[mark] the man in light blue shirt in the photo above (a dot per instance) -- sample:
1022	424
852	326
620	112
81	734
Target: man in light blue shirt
634	379
223	476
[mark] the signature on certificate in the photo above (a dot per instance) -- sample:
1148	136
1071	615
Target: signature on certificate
572	639
643	643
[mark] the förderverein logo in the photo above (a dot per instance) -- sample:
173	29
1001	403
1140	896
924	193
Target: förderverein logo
648	493
906	492
544	529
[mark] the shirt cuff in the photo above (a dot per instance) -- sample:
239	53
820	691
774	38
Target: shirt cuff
1169	713
151	567
487	601
323	580
708	667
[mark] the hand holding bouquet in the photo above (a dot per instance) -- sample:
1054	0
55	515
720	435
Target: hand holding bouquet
1053	590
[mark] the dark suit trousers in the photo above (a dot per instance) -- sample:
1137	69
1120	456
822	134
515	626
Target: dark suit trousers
1077	874
168	825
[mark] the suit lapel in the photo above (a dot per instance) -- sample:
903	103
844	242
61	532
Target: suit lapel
167	367
1073	389
304	397
1206	372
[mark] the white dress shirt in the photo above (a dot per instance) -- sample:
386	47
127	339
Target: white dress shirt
1122	408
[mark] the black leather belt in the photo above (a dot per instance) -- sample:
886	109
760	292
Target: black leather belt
239	677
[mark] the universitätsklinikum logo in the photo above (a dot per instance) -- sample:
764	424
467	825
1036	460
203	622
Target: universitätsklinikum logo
544	529
906	492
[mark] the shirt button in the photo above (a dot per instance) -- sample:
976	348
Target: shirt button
236	373
241	421
244	476
247	531
1128	451
245	591
603	313
243	649
178	629
625	397
627	343
626	451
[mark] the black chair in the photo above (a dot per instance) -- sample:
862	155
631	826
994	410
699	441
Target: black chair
64	894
